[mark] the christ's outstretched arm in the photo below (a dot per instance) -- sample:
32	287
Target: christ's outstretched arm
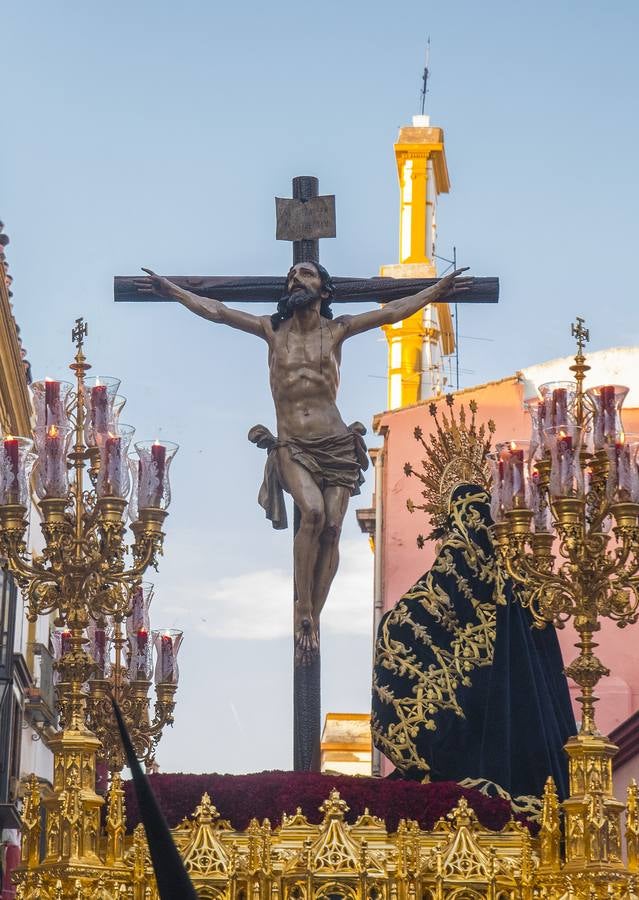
397	310
208	308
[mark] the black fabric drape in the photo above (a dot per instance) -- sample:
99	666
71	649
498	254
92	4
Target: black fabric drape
464	686
170	874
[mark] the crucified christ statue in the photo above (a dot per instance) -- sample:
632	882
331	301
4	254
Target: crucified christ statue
315	456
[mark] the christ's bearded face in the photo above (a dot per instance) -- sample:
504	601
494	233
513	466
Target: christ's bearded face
303	286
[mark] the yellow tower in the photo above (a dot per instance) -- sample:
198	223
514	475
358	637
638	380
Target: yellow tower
417	345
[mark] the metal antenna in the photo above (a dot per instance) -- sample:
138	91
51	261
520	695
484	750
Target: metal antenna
425	76
452	263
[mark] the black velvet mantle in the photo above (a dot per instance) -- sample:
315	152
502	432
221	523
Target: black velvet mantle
463	685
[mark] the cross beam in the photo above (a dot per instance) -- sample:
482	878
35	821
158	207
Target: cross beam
264	289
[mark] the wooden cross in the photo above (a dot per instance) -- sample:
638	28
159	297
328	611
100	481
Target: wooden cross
303	220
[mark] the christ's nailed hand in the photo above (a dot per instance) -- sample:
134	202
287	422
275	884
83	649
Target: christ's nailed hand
453	284
156	284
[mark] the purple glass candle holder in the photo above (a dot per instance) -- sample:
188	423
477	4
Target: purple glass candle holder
566	476
51	473
536	409
138	629
509	465
119	402
113	478
100	641
16	462
99	398
140	603
140	662
167	646
622	482
153	489
50	403
606	401
540	509
559	403
61	641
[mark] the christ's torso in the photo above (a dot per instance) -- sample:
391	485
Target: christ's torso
304	377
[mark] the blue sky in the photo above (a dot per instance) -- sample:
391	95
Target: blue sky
157	134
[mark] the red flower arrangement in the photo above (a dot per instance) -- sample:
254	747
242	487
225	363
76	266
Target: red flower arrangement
268	795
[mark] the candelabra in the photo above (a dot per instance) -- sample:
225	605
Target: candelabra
83	574
123	658
566	507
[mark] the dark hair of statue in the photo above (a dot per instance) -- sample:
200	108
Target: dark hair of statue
327	287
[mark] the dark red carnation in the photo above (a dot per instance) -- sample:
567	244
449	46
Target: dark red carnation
268	795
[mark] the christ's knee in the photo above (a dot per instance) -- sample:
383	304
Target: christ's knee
331	533
312	520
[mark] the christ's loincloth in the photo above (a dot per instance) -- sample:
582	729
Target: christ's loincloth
337	460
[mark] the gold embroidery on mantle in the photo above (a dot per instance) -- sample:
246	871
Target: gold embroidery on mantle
434	686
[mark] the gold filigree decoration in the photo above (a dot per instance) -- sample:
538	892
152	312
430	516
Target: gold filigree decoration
366	820
463	855
335	850
298	820
204	854
455	453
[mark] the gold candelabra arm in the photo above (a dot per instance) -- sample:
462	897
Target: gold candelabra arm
109	519
149	538
13	527
147	734
541	589
619	598
133	699
569	517
164	706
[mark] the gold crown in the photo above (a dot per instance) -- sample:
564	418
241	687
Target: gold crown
455	454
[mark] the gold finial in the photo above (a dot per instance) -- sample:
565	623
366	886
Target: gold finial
463	815
79	332
334	807
579	366
205	813
582	334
